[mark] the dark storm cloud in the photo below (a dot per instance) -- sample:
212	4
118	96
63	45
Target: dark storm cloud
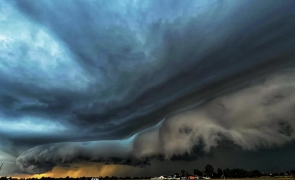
111	69
137	63
239	120
43	158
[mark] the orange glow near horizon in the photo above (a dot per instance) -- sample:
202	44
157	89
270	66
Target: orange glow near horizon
88	169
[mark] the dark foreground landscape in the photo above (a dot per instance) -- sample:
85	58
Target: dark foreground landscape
92	178
207	173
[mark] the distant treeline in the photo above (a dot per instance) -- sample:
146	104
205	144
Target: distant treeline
231	173
207	172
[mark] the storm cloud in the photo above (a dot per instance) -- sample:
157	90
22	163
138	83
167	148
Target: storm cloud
126	81
260	116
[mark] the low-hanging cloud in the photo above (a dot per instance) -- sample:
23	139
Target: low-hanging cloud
154	72
259	116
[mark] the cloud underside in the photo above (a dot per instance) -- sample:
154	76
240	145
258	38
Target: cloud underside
124	82
259	116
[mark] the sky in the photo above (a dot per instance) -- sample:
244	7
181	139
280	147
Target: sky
141	88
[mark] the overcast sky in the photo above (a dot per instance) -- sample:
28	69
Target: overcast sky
146	87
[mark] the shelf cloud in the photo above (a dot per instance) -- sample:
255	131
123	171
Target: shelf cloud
135	83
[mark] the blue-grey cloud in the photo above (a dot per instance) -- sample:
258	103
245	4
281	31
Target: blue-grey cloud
111	69
260	116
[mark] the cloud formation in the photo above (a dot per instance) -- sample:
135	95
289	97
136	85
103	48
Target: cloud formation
158	79
260	116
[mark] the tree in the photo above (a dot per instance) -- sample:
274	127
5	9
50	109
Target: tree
255	173
209	170
197	172
226	173
215	175
219	172
182	173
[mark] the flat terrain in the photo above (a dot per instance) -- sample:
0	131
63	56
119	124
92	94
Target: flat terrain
263	178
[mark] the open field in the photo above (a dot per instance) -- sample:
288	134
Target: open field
263	178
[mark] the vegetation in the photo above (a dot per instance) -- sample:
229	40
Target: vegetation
207	172
233	173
